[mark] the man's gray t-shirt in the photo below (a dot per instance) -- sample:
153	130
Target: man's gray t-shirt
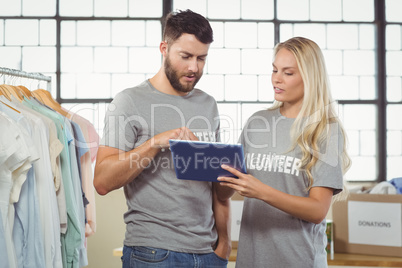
270	237
163	211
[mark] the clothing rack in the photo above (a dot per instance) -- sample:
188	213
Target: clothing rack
19	73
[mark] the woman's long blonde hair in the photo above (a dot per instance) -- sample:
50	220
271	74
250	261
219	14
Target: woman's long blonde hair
312	125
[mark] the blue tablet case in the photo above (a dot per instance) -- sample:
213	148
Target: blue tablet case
199	160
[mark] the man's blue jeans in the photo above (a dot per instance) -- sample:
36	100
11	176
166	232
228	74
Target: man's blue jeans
147	257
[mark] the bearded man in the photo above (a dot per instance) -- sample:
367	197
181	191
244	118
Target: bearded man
169	222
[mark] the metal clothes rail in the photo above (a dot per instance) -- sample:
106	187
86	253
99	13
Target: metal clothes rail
19	73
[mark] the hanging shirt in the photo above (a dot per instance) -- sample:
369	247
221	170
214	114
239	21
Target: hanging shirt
71	240
27	231
12	157
92	143
80	258
3	247
47	200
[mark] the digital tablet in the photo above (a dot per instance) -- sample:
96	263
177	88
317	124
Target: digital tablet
201	161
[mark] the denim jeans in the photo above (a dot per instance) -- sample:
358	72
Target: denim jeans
144	257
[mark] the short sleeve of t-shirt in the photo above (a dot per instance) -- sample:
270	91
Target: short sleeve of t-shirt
328	170
120	116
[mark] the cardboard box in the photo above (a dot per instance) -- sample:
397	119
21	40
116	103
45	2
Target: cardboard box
368	224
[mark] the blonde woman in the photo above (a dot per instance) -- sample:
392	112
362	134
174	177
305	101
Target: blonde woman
296	160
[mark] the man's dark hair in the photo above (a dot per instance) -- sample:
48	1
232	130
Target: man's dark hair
180	22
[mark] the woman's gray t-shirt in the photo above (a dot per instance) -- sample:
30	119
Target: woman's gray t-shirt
270	237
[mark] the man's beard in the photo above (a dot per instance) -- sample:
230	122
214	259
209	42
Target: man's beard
173	77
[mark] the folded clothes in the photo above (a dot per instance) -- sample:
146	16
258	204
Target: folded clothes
383	187
397	182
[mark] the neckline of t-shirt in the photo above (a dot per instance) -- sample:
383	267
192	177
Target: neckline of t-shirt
278	113
169	95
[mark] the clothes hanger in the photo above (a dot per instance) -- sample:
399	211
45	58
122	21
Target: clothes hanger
13	91
5	92
24	91
37	97
10	106
46	98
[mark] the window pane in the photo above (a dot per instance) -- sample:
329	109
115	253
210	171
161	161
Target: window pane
266	35
333	61
286	32
10	8
149	8
247	31
1	32
358	10
293	9
241	87
217	28
359	62
21	32
47	32
362	169
89	85
257	9
213	85
329	10
39	59
71	56
220	10
353	119
153	33
394	89
367	88
345	87
394	66
76	8
68	84
92	33
256	61
107	8
199	6
394	167
144	60
394	121
368	142
393	10
265	90
343	36
10	57
393	37
218	59
128	33
110	59
315	32
353	142
68	33
38	7
394	140
367	36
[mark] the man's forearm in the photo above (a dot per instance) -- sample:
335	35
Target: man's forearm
222	214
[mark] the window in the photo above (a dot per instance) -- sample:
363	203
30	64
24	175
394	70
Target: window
102	47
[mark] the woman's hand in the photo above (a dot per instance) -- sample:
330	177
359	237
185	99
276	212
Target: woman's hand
246	185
